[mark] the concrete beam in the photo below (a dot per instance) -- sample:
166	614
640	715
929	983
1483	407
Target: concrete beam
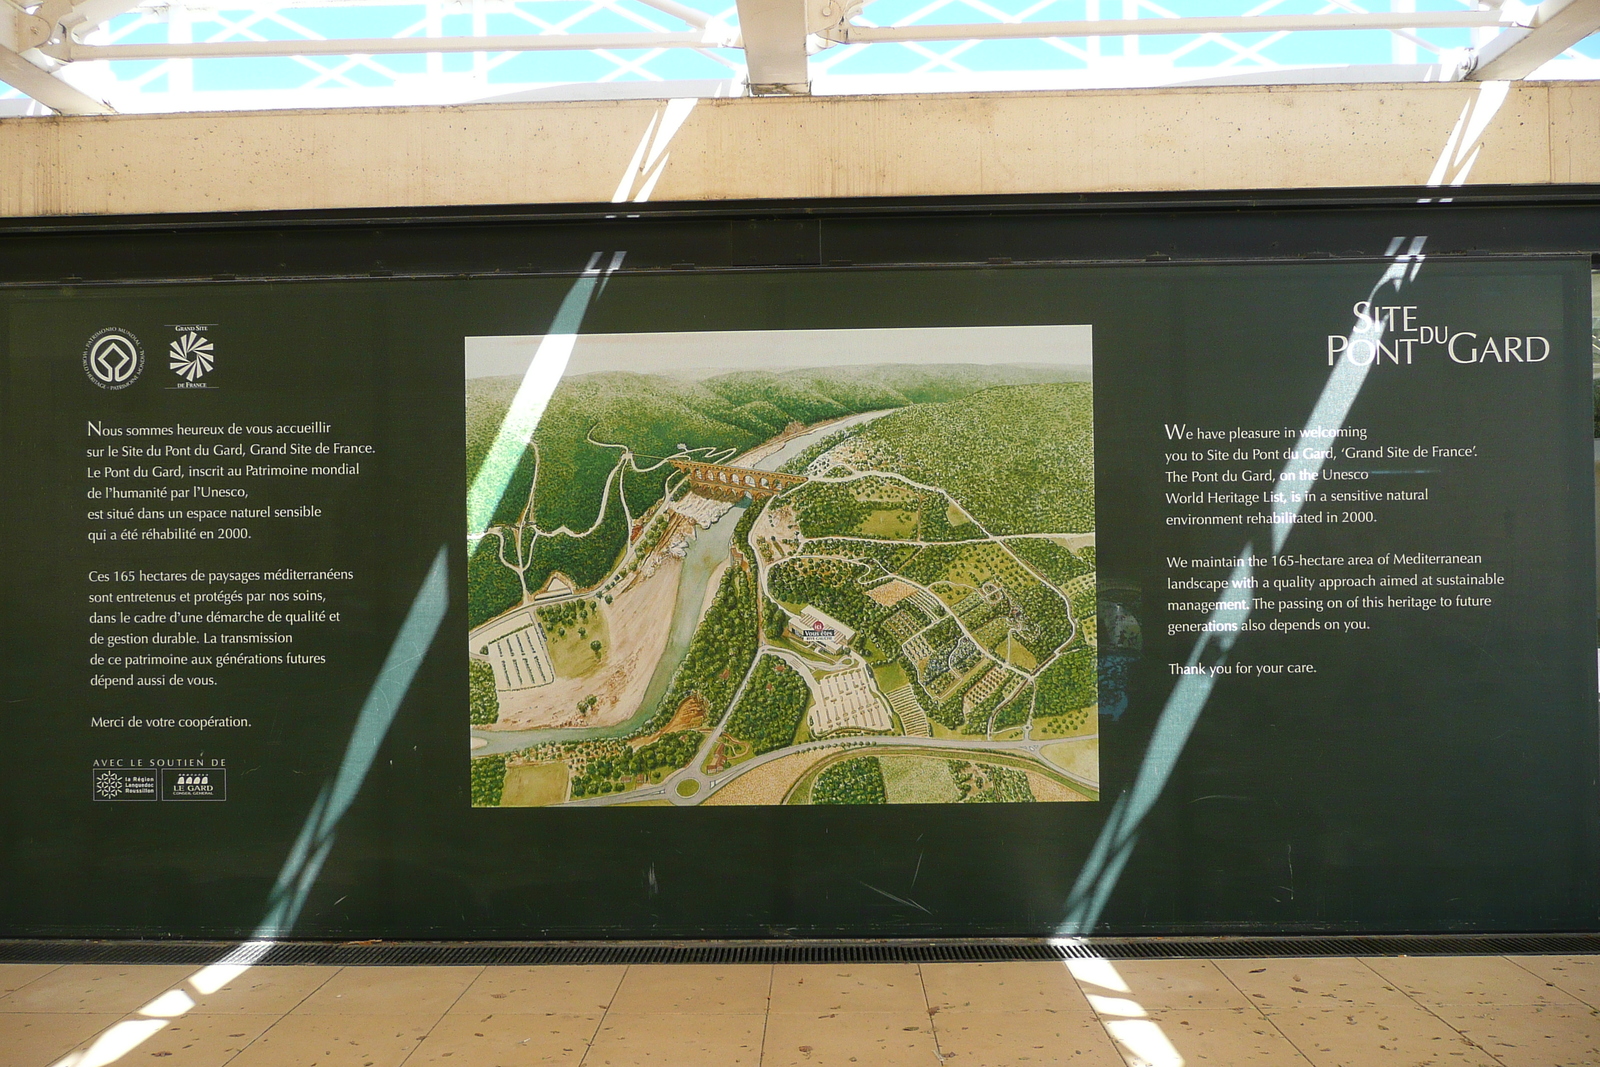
1556	26
1147	140
775	46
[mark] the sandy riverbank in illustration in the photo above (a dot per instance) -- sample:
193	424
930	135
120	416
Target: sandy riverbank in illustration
640	619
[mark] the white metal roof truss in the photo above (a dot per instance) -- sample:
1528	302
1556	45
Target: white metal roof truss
99	56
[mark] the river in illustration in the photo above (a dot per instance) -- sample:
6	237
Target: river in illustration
707	551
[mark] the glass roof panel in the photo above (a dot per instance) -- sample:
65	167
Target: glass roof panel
171	55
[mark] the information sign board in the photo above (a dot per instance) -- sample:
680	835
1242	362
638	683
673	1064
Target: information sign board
1011	600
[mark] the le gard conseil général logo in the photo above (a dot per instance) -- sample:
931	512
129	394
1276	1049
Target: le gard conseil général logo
1390	333
113	357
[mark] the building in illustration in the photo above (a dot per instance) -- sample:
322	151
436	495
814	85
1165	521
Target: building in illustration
557	587
821	630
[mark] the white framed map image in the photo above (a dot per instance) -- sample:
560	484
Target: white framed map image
782	567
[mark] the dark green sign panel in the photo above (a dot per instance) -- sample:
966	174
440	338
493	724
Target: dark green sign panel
1003	600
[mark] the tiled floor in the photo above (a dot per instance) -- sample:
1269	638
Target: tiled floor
1531	1011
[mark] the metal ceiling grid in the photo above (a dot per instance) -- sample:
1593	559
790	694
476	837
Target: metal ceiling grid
103	56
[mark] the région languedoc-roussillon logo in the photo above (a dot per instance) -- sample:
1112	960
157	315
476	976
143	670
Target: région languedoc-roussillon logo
113	358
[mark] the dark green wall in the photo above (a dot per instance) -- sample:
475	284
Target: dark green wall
1438	774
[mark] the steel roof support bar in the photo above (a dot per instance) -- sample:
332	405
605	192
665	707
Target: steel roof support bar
688	14
1403	20
774	34
27	71
49	90
1517	52
72	51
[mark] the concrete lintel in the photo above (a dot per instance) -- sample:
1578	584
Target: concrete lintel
946	144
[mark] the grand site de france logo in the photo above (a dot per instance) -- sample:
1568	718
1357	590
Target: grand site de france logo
190	357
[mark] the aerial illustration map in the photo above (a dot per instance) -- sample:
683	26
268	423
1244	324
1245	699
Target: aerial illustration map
782	567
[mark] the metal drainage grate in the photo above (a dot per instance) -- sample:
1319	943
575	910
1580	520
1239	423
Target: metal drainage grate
551	953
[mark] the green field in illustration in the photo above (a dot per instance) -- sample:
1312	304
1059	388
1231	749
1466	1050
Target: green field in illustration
863	584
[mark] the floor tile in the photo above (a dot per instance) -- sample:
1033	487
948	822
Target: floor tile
1377	1037
335	1041
499	1040
695	989
1097	975
837	1039
1032	1038
1228	1037
14	976
95	988
1003	987
1523	1035
1330	1012
822	988
424	993
1157	985
258	990
1577	975
1446	980
722	1039
1301	984
541	990
195	1040
38	1040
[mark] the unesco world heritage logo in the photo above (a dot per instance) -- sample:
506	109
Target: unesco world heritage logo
191	356
113	358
